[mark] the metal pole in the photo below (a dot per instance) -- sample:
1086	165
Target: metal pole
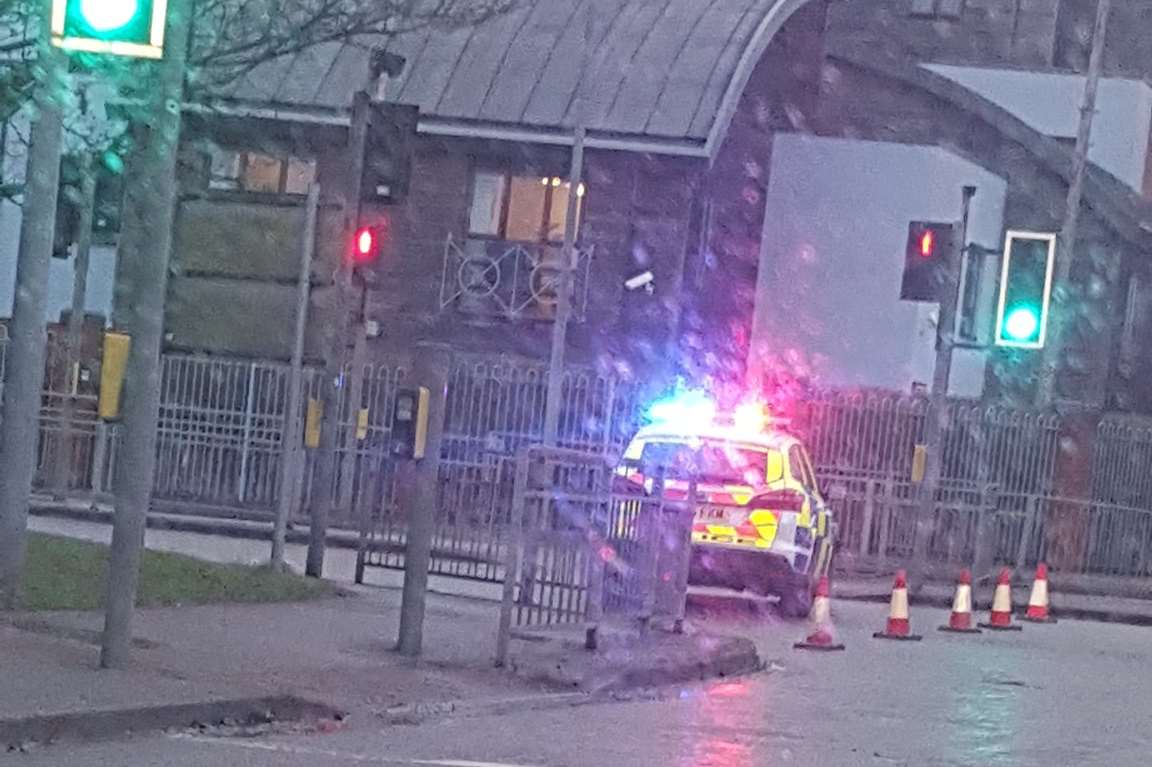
554	400
144	252
75	334
1066	244
431	366
19	428
336	344
356	366
290	453
936	416
555	392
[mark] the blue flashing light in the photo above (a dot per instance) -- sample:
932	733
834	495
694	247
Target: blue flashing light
684	409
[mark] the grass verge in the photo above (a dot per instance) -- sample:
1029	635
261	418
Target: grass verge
68	574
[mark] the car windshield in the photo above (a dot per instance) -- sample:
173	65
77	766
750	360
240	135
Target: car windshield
712	461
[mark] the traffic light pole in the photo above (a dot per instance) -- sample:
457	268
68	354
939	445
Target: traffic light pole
75	333
555	392
1065	250
336	345
142	271
24	379
290	463
936	416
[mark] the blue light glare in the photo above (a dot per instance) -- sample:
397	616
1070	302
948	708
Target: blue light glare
685	409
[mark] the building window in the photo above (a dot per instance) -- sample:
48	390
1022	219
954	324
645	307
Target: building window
938	9
520	208
259	172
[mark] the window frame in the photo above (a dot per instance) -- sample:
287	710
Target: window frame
283	161
508	176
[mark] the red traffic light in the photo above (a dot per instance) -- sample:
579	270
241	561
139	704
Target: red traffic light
928	243
925	256
365	245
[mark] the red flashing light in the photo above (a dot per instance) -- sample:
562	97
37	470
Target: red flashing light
927	243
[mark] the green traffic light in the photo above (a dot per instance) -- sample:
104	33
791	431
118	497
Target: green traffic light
1021	323
108	15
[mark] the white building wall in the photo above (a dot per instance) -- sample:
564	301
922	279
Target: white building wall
832	257
1050	103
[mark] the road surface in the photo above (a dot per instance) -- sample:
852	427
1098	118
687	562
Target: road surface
1069	694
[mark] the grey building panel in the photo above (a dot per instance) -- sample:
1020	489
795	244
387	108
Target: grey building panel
743	30
693	68
659	68
523	63
261	83
301	83
478	66
349	66
426	84
652	64
556	87
612	63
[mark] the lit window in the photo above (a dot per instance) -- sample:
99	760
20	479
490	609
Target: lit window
259	172
520	208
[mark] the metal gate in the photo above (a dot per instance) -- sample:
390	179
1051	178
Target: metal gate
577	550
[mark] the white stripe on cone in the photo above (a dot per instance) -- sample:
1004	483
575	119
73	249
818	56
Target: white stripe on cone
963	601
899	605
1039	596
1002	599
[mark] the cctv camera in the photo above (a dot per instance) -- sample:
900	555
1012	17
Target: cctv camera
642	280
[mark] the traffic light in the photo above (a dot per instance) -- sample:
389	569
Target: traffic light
925	260
132	28
388	153
1025	289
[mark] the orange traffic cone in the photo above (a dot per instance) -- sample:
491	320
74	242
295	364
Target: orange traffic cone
898	625
820	617
960	622
1000	619
1038	600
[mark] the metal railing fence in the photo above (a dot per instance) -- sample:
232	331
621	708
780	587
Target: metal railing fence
222	424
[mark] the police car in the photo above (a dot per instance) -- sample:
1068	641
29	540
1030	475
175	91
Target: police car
761	522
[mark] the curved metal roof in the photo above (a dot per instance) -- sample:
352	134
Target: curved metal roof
667	71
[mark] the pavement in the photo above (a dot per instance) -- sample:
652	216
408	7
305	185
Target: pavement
1064	694
334	652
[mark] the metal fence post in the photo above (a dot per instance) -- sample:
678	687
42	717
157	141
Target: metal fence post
512	558
99	456
1027	530
430	368
983	549
868	517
